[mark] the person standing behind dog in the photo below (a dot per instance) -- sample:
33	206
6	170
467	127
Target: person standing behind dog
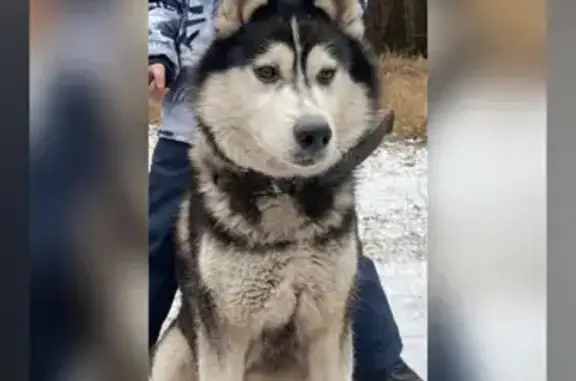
179	31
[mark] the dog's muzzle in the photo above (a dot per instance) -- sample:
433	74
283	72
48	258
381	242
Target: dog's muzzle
312	135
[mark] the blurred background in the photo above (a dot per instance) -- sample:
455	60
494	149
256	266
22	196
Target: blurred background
487	168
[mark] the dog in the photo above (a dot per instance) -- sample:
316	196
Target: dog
287	106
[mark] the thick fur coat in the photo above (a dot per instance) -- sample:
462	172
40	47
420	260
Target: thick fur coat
285	98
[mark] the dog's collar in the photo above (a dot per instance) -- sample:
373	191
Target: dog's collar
356	156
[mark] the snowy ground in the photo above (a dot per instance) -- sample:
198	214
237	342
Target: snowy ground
392	204
393	209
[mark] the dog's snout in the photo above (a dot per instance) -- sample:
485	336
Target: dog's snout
312	134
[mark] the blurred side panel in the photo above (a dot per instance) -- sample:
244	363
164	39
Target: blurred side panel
14	272
487	225
88	153
561	191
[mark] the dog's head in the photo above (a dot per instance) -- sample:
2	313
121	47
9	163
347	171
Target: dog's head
287	87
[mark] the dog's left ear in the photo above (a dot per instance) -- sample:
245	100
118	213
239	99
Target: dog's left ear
347	13
233	13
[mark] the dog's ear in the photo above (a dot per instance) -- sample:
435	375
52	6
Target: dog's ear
347	13
233	13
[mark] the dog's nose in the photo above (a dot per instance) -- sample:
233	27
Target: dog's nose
312	134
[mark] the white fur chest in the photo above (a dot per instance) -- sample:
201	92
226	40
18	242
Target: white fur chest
266	290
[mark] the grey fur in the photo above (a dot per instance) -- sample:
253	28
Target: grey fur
268	248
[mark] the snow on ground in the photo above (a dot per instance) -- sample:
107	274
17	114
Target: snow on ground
392	205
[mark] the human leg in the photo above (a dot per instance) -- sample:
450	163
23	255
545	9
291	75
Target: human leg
168	180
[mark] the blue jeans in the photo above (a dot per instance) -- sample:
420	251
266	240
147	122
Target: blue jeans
377	341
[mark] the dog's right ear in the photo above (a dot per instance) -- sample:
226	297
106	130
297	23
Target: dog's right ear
233	13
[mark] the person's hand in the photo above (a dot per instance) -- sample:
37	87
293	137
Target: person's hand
157	81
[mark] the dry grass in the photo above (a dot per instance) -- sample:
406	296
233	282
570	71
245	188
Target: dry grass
405	90
404	82
153	111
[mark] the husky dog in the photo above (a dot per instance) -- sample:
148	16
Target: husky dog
286	98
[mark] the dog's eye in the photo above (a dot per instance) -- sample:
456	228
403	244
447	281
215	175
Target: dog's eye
267	74
325	76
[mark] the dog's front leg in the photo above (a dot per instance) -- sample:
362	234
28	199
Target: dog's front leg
330	357
221	357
